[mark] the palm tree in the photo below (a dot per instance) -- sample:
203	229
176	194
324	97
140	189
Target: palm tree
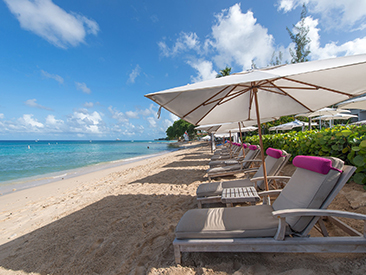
224	72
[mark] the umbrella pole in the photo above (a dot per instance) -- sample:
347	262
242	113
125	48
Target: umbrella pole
260	138
230	143
241	140
309	123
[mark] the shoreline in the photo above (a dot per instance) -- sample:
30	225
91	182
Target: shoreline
21	199
11	186
8	187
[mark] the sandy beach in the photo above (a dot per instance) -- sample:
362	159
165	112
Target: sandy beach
121	221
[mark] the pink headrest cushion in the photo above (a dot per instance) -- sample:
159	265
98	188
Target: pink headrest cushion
253	147
315	164
274	153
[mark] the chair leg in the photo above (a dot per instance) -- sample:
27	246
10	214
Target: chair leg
177	255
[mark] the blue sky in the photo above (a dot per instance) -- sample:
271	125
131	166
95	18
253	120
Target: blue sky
80	69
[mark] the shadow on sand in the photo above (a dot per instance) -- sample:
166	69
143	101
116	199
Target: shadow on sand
179	176
112	236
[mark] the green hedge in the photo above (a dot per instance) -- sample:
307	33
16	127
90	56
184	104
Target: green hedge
345	142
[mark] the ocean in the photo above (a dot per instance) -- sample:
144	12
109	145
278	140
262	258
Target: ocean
25	164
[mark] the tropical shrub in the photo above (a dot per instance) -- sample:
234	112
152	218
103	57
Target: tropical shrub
345	142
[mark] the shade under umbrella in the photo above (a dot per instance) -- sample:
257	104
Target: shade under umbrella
271	92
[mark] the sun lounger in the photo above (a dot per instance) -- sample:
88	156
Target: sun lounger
235	152
216	162
236	168
281	227
276	159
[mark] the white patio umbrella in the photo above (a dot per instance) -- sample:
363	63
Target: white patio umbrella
360	122
290	125
322	112
356	103
336	116
271	92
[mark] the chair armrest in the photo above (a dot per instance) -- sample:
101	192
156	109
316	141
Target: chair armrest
271	178
282	214
318	213
250	170
270	192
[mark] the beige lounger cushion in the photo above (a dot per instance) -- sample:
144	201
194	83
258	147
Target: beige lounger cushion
307	189
233	222
215	188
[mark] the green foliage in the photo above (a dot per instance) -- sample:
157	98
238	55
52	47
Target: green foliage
178	128
300	38
224	72
345	142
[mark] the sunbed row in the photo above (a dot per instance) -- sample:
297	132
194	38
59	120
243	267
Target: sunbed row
282	226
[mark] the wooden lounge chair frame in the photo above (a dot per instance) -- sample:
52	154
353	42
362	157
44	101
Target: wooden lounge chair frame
300	243
233	172
272	181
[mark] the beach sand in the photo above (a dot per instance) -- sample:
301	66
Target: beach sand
122	220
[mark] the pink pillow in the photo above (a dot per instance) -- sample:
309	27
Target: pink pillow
315	164
274	153
253	147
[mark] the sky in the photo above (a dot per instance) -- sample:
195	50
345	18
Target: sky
79	70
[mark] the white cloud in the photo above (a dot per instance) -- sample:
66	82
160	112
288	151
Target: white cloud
52	23
185	42
331	49
50	120
85	122
149	111
1	116
88	104
132	114
135	73
121	117
173	117
204	69
81	86
32	103
238	38
56	77
28	120
335	14
152	122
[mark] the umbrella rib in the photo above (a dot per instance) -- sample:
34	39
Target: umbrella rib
212	107
204	103
232	96
291	97
318	87
235	95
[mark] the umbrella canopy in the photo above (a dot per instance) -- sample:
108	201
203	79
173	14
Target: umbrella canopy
360	122
324	112
357	103
336	116
288	125
282	90
206	138
277	91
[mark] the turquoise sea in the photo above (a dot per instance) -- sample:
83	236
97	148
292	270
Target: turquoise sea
24	164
